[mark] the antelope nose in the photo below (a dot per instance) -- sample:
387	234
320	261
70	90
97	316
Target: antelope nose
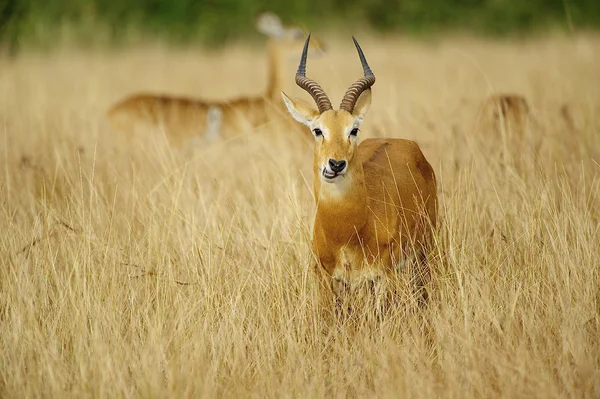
337	166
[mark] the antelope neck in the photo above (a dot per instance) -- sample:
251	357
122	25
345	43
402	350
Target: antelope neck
342	205
275	70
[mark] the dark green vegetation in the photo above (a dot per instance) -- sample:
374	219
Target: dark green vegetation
42	22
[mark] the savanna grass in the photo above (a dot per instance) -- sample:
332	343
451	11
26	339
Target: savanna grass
139	270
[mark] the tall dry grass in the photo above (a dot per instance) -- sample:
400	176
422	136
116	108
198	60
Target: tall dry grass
147	271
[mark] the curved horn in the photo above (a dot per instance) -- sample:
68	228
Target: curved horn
362	84
310	85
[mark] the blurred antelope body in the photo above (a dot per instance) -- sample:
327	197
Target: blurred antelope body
181	118
184	118
376	202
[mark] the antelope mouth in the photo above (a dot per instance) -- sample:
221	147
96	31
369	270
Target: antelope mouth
330	176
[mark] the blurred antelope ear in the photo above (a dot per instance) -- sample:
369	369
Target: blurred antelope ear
300	111
362	104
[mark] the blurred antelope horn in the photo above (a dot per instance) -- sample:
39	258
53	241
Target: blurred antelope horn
362	84
312	87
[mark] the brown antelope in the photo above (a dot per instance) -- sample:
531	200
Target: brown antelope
504	114
376	202
506	126
184	118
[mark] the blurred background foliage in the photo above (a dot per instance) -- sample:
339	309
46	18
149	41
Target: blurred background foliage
213	22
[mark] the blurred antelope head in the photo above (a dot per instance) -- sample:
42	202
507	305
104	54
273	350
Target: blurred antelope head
335	131
289	38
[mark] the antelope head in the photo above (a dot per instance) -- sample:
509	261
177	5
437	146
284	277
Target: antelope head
335	131
290	38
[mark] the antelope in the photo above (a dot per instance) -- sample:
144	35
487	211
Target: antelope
506	126
376	201
504	113
183	118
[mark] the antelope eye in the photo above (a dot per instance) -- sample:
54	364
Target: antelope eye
318	132
354	132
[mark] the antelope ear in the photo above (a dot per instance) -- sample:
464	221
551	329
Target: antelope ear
300	111
362	104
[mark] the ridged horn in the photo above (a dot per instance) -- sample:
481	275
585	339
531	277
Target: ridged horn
362	84
312	87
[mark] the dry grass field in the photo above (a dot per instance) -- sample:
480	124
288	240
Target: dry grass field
140	270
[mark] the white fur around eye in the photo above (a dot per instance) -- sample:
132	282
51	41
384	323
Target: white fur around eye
357	125
317	126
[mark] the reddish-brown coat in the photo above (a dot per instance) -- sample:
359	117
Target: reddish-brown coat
389	210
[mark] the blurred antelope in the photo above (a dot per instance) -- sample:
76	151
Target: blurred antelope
183	118
507	127
376	202
504	113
